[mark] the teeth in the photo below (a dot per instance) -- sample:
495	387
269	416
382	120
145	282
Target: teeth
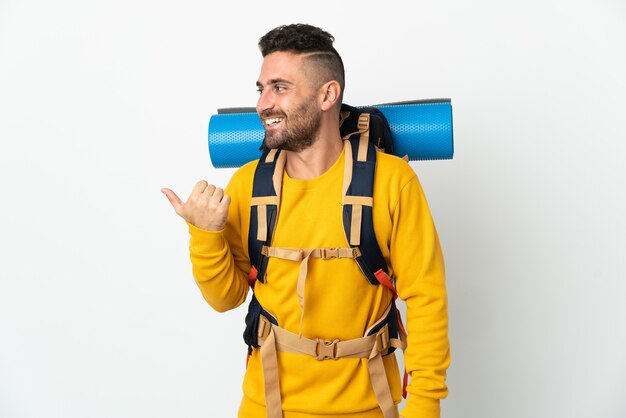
272	121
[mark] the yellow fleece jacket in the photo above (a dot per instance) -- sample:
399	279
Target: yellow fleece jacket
339	302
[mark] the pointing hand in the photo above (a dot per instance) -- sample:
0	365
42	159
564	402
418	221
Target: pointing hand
206	208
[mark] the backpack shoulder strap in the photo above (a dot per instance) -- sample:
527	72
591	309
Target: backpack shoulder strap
358	191
264	207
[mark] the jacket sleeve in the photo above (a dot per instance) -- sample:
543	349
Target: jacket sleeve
220	265
418	264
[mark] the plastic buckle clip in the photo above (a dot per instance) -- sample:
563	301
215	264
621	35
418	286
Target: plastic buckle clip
326	349
328	253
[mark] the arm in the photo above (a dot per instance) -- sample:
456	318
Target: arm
419	267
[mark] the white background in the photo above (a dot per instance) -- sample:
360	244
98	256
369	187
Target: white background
104	103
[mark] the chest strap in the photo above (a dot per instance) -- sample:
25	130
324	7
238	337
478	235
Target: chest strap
303	255
273	339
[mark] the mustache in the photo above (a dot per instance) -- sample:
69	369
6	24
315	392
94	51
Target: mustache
269	114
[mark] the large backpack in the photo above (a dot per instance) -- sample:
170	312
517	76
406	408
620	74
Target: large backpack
364	130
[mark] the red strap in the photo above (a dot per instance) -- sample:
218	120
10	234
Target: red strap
384	279
405	382
252	276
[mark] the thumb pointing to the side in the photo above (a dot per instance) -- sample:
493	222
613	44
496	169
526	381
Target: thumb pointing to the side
174	200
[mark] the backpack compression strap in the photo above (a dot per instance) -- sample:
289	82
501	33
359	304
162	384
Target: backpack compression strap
264	206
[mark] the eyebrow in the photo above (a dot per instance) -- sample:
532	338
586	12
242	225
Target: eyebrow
274	81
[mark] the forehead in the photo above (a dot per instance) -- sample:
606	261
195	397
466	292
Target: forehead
282	65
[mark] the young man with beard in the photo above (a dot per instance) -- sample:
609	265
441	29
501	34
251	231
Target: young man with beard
301	86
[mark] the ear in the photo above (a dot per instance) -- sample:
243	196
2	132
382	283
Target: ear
330	93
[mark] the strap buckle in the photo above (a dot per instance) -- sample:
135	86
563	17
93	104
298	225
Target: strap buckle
328	253
264	329
364	122
326	349
382	339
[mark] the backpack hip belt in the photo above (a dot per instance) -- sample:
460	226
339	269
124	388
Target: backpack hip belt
373	346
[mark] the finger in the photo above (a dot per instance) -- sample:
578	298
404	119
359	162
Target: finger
174	199
224	203
218	194
221	211
199	187
209	191
214	200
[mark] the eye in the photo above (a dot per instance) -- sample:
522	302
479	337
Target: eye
279	88
259	90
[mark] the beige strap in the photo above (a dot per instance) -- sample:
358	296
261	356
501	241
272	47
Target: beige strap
358	200
269	360
261	216
363	125
347	167
376	369
271	155
298	254
304	266
264	200
355	227
277	179
357	209
364	139
363	347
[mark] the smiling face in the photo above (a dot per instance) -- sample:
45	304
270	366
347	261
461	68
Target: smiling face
288	102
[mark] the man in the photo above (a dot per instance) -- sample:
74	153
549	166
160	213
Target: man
314	298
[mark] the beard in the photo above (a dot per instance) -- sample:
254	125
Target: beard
300	130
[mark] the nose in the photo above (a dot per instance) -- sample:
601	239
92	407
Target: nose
265	101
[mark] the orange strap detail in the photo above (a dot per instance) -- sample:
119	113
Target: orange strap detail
252	276
405	382
384	279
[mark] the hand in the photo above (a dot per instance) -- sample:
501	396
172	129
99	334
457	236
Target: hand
206	208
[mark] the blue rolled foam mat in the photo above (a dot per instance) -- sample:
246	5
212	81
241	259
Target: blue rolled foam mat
421	129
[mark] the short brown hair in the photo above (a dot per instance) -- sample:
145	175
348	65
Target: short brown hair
314	42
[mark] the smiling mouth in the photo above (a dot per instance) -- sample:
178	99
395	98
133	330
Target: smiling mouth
272	121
